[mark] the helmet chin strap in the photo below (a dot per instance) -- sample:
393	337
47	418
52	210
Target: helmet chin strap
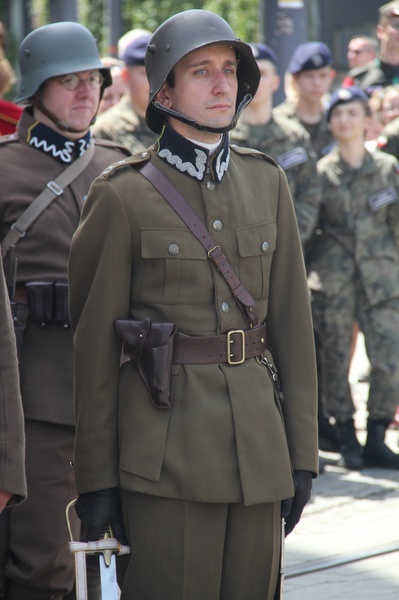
64	127
176	115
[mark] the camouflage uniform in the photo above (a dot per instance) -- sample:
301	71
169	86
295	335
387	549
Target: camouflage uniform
354	275
289	144
320	135
123	126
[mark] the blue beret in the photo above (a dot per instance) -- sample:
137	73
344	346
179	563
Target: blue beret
309	56
134	52
343	95
263	52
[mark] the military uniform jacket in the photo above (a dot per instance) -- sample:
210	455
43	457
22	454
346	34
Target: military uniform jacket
46	368
289	144
375	74
12	439
359	224
122	125
320	135
223	439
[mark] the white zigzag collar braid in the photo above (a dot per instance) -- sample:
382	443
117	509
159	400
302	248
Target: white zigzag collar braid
191	158
51	142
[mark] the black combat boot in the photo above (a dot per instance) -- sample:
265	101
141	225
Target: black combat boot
351	454
376	452
328	438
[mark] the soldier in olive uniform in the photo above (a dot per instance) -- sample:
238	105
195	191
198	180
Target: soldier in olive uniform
309	77
124	122
354	275
12	438
62	78
283	139
201	482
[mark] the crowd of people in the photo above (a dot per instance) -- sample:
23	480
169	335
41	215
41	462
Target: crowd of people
180	384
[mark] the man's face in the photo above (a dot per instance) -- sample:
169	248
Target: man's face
205	90
139	88
76	108
313	84
268	84
359	53
388	34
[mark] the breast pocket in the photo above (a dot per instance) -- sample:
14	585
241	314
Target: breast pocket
256	244
175	268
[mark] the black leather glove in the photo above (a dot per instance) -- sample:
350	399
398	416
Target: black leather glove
100	509
292	508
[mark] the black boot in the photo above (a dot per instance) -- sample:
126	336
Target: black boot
351	455
328	438
376	452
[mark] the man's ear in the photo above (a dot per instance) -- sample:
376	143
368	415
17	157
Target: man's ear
163	96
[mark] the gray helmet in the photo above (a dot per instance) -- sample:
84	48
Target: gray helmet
57	49
183	33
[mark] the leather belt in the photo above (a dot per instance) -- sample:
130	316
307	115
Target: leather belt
233	347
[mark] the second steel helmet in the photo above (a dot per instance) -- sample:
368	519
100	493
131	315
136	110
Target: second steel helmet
178	36
57	49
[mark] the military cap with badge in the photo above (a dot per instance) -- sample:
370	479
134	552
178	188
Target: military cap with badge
310	56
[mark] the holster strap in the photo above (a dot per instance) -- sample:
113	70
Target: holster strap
232	347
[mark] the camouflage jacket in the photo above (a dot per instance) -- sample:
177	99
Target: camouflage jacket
320	135
122	125
289	144
359	227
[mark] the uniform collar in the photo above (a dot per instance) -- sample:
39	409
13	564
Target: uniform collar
192	159
46	140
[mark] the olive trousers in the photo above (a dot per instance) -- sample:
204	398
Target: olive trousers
184	550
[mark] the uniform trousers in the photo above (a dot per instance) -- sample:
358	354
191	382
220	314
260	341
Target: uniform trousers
333	318
184	550
38	563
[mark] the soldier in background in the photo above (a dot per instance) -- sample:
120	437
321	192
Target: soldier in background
124	122
114	92
62	79
354	276
308	81
362	49
384	69
283	139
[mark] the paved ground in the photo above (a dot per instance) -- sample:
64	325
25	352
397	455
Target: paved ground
352	515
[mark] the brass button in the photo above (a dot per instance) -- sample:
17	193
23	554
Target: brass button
144	154
217	225
265	247
210	185
173	249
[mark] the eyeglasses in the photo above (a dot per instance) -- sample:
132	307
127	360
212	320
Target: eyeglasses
72	80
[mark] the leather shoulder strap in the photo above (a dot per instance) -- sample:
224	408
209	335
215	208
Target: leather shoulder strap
52	190
243	298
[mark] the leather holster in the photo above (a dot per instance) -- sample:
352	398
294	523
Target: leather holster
149	344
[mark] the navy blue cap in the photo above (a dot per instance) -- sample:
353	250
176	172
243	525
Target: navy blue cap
309	56
263	52
134	53
343	95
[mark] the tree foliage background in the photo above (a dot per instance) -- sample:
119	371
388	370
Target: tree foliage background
243	15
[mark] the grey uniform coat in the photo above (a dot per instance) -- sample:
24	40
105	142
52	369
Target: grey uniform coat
224	439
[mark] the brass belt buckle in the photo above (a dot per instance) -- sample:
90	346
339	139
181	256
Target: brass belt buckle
231	341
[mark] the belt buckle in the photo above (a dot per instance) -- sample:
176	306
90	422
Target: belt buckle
231	341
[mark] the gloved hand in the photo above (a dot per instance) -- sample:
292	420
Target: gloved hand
291	508
100	509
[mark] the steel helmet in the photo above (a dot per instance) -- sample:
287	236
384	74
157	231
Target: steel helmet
181	34
57	49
